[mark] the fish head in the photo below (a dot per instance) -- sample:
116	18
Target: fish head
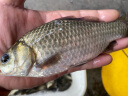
7	62
17	61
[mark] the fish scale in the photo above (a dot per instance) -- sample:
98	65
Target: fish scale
56	46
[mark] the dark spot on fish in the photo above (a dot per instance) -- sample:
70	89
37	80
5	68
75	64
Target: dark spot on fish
75	44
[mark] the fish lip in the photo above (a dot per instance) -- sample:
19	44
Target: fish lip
1	73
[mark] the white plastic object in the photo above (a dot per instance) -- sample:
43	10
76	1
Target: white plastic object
78	87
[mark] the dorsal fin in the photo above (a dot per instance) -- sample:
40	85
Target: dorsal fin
124	17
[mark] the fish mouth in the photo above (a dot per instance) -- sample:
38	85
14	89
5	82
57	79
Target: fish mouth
2	73
6	71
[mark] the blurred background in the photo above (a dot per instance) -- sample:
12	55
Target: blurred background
95	86
121	5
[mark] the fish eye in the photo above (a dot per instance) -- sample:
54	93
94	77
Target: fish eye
5	58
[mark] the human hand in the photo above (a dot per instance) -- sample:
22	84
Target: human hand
16	21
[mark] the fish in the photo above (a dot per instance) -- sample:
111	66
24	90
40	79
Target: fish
58	45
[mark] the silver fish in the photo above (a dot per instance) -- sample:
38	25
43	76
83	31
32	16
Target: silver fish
60	44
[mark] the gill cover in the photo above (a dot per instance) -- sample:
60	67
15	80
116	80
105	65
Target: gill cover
21	59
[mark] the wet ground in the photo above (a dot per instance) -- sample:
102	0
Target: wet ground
94	83
95	87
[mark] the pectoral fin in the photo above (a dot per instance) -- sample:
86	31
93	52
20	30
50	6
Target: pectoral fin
50	61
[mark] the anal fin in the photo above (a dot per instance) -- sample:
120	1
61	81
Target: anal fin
110	47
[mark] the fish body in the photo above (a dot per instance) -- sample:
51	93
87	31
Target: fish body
60	44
